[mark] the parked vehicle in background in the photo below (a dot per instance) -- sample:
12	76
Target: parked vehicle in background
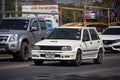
111	38
18	35
71	44
93	14
52	21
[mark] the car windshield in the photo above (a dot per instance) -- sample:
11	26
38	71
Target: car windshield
65	33
112	31
14	24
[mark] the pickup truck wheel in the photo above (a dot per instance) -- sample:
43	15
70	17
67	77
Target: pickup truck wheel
99	59
78	59
24	53
38	62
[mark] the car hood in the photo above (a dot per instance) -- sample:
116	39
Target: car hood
4	31
110	37
57	42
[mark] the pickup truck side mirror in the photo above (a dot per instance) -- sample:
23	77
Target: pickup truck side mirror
33	28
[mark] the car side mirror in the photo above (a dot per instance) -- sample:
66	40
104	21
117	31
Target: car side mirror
85	39
34	28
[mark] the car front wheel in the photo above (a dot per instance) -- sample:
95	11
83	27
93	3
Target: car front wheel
78	58
24	53
99	59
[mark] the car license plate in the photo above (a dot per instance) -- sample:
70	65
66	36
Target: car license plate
50	55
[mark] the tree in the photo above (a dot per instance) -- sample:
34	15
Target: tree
42	2
9	5
107	3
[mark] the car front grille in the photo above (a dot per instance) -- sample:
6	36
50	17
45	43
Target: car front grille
3	38
116	47
108	42
2	45
50	47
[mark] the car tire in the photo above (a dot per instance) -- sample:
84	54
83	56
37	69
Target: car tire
99	59
78	59
38	62
23	54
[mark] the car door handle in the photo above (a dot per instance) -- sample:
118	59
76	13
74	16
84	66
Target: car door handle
98	41
90	42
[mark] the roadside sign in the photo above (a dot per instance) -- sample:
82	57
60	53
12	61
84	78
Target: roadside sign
47	12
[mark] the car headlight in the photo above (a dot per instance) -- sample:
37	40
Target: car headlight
36	47
66	48
118	40
13	38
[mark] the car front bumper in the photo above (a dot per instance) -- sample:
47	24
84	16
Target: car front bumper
9	47
112	47
53	55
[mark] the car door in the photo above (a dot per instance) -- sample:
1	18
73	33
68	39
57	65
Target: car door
95	42
35	30
87	44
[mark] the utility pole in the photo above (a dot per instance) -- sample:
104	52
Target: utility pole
16	8
3	9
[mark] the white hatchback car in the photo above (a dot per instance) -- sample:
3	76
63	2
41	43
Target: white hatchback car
111	38
71	44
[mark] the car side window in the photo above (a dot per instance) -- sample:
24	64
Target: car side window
35	25
43	25
94	35
86	36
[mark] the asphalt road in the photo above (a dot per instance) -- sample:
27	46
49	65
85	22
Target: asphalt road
109	70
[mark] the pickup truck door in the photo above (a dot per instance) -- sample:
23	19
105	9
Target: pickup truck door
87	49
44	29
35	30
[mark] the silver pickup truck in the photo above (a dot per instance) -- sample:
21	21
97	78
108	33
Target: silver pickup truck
18	35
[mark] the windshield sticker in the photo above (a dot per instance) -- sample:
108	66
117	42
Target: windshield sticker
27	22
77	37
78	33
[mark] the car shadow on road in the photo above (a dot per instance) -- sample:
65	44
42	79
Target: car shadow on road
58	64
72	77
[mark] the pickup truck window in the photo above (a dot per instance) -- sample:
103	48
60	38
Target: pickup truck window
64	33
35	24
43	25
14	24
